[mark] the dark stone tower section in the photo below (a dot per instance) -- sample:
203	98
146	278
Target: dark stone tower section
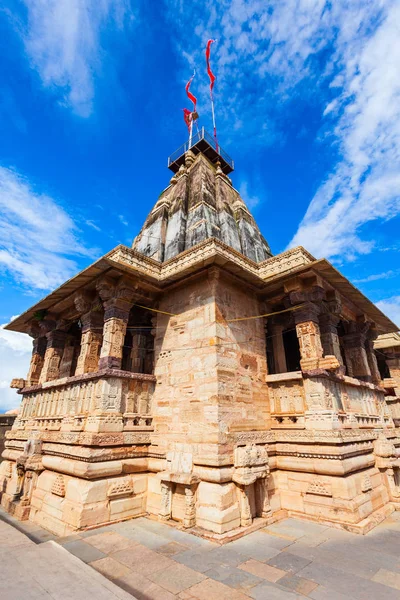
199	204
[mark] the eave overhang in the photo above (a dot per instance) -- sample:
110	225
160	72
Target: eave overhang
212	252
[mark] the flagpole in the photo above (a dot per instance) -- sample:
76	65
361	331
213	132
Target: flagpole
190	132
213	118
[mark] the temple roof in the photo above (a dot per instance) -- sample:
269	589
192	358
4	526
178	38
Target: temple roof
200	203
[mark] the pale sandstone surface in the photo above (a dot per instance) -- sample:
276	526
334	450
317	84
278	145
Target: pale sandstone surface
153	391
30	571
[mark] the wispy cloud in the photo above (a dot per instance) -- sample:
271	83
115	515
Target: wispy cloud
92	225
391	307
268	54
365	121
377	276
63	39
38	239
123	220
252	200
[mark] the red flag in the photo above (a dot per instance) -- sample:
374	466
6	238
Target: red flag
187	115
189	94
210	73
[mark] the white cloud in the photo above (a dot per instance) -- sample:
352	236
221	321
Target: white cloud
377	276
391	308
250	199
15	354
123	220
365	184
64	42
268	54
37	237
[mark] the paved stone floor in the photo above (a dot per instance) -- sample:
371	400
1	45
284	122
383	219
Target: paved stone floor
288	560
47	571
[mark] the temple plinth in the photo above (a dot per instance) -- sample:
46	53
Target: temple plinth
152	391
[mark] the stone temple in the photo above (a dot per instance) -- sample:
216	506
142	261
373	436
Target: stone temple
197	378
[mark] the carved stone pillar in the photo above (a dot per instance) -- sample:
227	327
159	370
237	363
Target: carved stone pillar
166	501
37	360
278	348
244	503
263	506
371	356
354	347
54	351
67	357
190	507
91	340
308	334
328	323
117	302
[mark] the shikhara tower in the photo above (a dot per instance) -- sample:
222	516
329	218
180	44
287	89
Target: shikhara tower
150	391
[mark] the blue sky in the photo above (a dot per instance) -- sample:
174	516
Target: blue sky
307	103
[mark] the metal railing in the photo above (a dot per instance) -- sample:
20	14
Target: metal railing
202	134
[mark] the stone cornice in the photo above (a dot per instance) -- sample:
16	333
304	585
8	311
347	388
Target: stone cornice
103	374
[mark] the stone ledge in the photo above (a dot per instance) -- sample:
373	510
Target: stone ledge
104	373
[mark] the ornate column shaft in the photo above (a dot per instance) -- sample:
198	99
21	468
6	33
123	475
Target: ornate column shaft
67	357
91	341
166	501
371	356
117	302
355	353
329	337
244	502
190	507
54	350
37	360
308	334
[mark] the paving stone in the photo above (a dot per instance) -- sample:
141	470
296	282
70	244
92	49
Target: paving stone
298	584
387	578
110	568
176	578
142	588
40	536
355	586
235	578
172	549
227	555
84	551
258	547
68	538
142	560
291	563
270	591
210	589
326	593
110	542
262	570
199	559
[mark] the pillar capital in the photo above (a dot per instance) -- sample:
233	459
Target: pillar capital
309	312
